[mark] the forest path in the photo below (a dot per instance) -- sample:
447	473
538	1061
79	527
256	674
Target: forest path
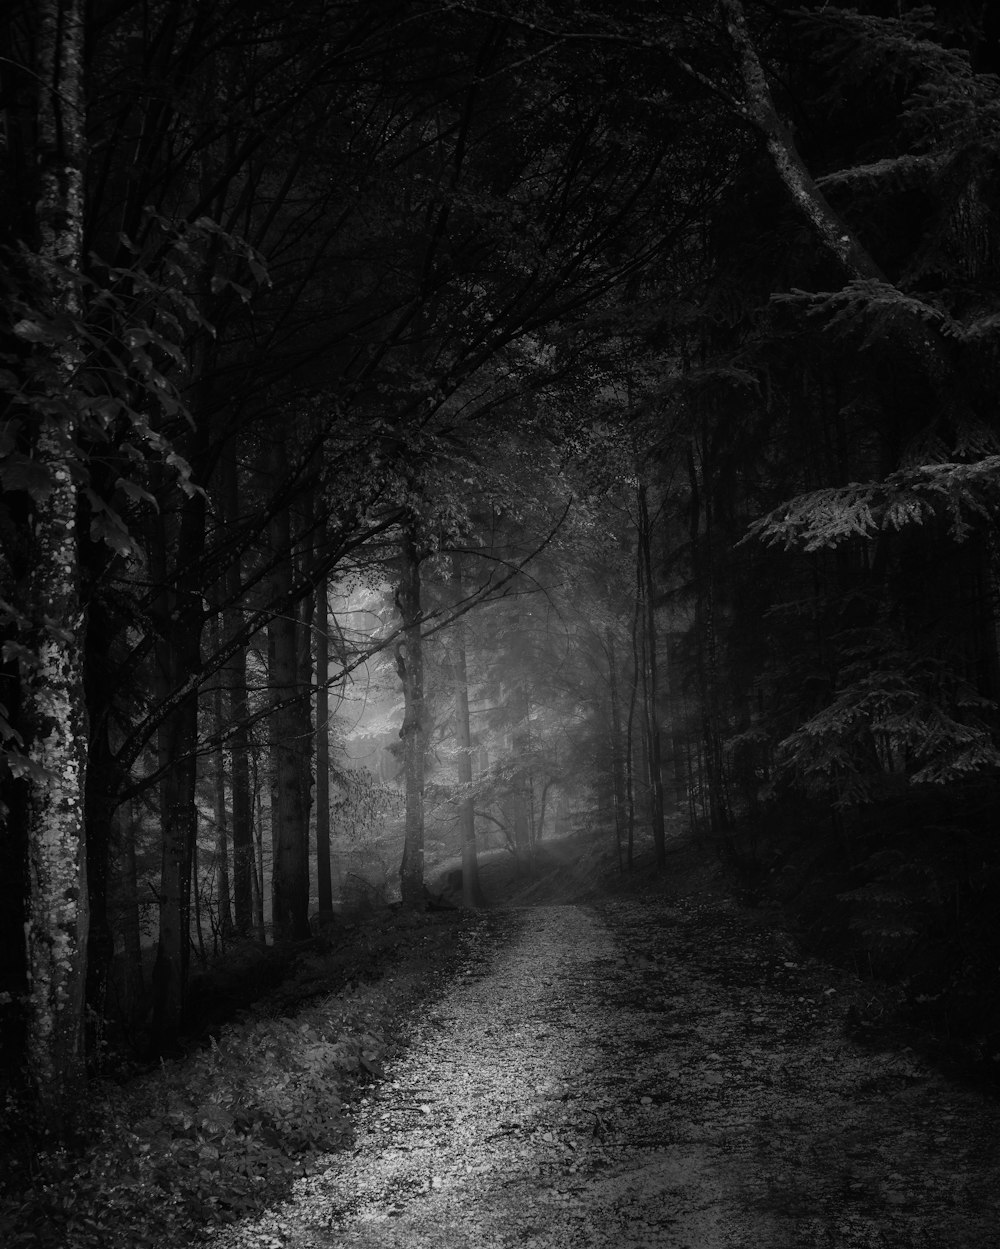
654	1072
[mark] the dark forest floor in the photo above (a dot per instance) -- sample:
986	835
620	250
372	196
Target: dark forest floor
654	1067
716	1022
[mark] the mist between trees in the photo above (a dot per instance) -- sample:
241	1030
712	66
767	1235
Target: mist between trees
431	425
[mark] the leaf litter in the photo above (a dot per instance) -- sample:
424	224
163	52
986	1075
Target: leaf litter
654	1071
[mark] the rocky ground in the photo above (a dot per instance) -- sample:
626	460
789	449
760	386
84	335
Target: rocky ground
661	1069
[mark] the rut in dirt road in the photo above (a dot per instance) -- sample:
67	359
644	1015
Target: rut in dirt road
648	1073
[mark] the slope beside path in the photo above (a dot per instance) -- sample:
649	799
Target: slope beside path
647	1072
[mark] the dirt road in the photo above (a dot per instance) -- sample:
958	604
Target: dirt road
656	1072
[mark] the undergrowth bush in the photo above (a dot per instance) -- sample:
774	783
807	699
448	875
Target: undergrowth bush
208	1139
904	893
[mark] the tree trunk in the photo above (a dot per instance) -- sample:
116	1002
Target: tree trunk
56	719
289	810
550	783
289	880
178	829
630	730
651	684
617	772
520	803
101	814
410	666
257	856
300	713
324	882
225	914
704	619
178	614
242	803
472	894
57	911
199	930
134	981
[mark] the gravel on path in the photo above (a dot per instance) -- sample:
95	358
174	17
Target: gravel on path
647	1072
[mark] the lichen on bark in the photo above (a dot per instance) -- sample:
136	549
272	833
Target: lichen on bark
53	695
57	904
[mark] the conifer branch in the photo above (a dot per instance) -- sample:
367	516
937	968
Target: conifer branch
759	108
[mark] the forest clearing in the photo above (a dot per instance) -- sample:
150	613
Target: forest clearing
453	455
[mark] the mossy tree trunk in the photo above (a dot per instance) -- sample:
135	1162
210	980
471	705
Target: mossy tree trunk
57	911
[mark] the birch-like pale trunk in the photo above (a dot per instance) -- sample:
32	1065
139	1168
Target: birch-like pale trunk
54	708
53	694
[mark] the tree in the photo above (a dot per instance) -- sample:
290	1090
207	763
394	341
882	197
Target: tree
869	443
410	666
290	740
650	671
324	883
472	894
238	713
53	710
449	258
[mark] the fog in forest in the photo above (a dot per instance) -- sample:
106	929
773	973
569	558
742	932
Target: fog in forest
443	442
